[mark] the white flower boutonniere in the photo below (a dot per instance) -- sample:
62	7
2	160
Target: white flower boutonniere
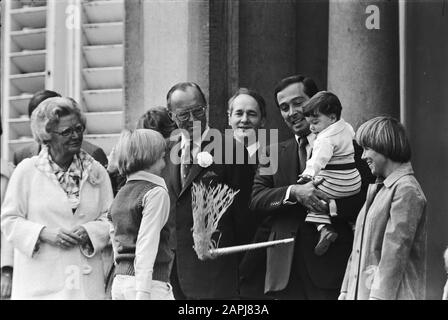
205	159
94	174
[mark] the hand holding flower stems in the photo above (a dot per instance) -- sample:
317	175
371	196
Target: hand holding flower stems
208	204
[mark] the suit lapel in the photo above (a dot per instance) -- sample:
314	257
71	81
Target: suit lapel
371	194
172	172
195	170
289	162
176	181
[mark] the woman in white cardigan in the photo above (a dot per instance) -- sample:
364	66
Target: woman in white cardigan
54	212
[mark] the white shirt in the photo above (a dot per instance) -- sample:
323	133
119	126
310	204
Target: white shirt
252	148
185	143
156	209
308	147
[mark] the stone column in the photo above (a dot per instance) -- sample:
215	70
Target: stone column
268	51
426	119
61	64
166	42
224	58
312	40
363	58
134	62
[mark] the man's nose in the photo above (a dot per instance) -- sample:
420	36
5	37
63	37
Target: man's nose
76	134
244	118
363	156
191	116
291	111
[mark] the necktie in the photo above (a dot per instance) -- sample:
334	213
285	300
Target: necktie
302	153
186	163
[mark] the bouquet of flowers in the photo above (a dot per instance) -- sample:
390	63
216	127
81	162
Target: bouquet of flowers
209	204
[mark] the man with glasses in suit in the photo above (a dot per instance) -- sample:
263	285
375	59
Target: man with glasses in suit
192	278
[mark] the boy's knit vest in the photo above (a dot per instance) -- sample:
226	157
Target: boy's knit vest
126	213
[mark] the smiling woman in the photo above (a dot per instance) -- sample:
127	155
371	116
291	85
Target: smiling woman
54	212
388	259
59	124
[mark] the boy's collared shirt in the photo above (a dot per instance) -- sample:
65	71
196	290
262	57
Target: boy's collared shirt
156	208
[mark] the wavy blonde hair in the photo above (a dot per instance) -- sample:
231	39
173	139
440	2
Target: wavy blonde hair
139	149
45	117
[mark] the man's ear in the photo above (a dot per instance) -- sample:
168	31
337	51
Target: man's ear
333	117
263	122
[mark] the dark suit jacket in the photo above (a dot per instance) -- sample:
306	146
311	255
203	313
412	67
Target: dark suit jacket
33	149
253	263
210	279
287	220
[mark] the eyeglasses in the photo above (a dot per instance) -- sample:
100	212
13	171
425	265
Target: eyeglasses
79	129
197	113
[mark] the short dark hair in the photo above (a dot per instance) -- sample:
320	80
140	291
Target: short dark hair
385	135
309	86
323	102
183	86
158	119
38	97
254	94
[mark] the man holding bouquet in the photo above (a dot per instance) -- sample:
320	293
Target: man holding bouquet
202	157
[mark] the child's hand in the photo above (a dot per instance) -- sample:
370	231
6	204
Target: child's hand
304	179
318	180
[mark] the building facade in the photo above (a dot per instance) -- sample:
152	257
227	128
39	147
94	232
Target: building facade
380	57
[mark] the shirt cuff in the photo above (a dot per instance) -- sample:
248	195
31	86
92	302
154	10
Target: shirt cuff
87	249
143	280
287	200
143	295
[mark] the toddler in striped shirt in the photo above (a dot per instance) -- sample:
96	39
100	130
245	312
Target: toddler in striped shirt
331	160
